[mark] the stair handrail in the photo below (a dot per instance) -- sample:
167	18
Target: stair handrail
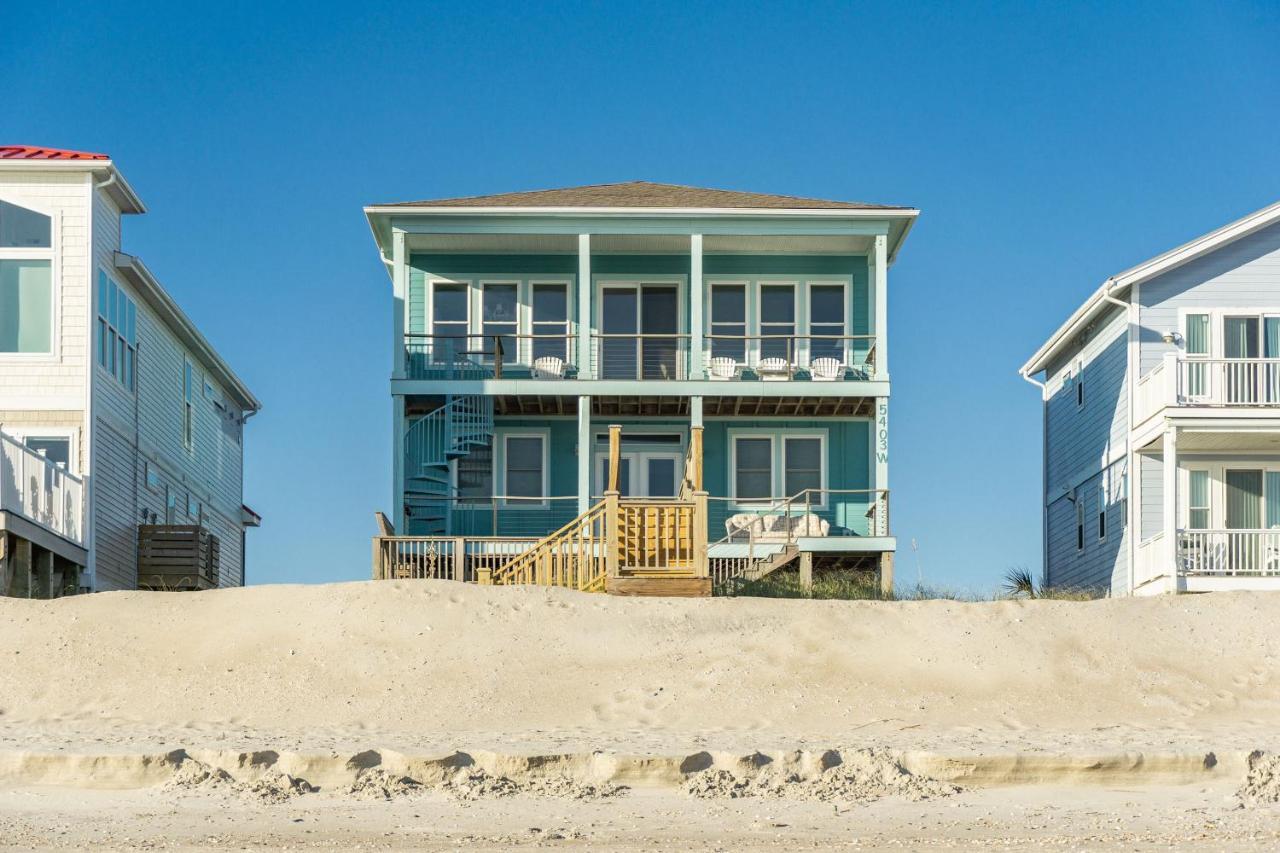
537	565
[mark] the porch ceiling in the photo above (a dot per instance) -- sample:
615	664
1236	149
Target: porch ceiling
637	244
1223	441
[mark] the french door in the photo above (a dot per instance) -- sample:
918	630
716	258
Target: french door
639	324
641	474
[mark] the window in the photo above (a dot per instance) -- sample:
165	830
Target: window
525	466
778	321
188	405
752	468
1198	500
498	319
729	321
1079	384
24	229
1197	346
475	475
1079	523
802	468
117	331
826	321
551	321
26	281
448	320
1103	498
26	306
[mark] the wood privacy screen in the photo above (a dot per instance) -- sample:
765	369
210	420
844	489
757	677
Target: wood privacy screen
177	557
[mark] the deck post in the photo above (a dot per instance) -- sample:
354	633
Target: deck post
695	448
615	444
701	563
459	558
806	570
886	573
1170	525
585	370
585	454
612	519
20	567
697	364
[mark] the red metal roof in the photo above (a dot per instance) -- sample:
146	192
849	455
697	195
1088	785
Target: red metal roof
31	152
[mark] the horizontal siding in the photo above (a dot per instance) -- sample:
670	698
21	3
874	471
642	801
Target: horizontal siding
115	525
1152	472
1100	564
1243	274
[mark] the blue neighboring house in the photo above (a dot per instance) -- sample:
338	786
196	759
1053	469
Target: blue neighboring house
525	324
1162	422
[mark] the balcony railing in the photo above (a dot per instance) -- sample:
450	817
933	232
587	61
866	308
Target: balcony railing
661	357
1229	552
40	491
1181	380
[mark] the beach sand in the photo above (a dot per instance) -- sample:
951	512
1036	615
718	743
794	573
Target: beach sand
427	715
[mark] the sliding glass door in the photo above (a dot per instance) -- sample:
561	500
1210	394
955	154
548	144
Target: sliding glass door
639	324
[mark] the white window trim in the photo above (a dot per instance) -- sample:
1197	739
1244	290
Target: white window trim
525	308
1217	469
188	441
501	466
639	469
1101	518
429	302
54	255
753	352
24	431
1080	530
709	284
96	343
603	281
846	346
1217	338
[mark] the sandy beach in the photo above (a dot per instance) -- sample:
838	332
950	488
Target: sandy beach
425	715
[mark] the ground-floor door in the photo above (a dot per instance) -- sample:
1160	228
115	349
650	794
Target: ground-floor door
641	473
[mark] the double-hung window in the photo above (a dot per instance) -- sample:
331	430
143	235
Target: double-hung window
550	324
498	319
752	468
117	331
826	322
525	468
1103	498
188	405
729	321
449	317
26	281
778	321
802	468
1079	522
1198	500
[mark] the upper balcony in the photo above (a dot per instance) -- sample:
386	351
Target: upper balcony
1204	384
642	357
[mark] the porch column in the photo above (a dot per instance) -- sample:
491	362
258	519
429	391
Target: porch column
585	454
880	437
1170	525
585	370
697	364
397	463
400	289
880	299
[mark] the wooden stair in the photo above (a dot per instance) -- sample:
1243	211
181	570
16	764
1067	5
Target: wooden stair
660	584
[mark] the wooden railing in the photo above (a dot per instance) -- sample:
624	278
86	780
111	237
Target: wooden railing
659	536
576	556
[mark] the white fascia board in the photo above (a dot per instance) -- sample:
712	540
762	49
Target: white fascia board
174	317
1146	270
120	189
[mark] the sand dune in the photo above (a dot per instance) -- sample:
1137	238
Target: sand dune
438	662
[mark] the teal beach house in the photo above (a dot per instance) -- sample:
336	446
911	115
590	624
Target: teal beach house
737	341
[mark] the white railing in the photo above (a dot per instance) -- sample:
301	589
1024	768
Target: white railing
1229	381
1154	392
1229	552
40	491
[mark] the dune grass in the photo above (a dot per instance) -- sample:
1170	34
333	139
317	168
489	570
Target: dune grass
864	586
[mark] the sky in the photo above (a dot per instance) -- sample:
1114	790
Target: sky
1048	146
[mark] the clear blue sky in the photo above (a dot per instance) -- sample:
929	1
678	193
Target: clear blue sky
1048	146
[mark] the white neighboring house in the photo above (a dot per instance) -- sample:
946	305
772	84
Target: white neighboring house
115	412
1162	422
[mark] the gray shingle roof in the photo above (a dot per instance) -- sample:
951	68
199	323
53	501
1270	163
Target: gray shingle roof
645	194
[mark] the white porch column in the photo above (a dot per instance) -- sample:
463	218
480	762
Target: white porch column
697	364
585	454
695	411
400	290
880	297
1170	557
397	462
584	307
